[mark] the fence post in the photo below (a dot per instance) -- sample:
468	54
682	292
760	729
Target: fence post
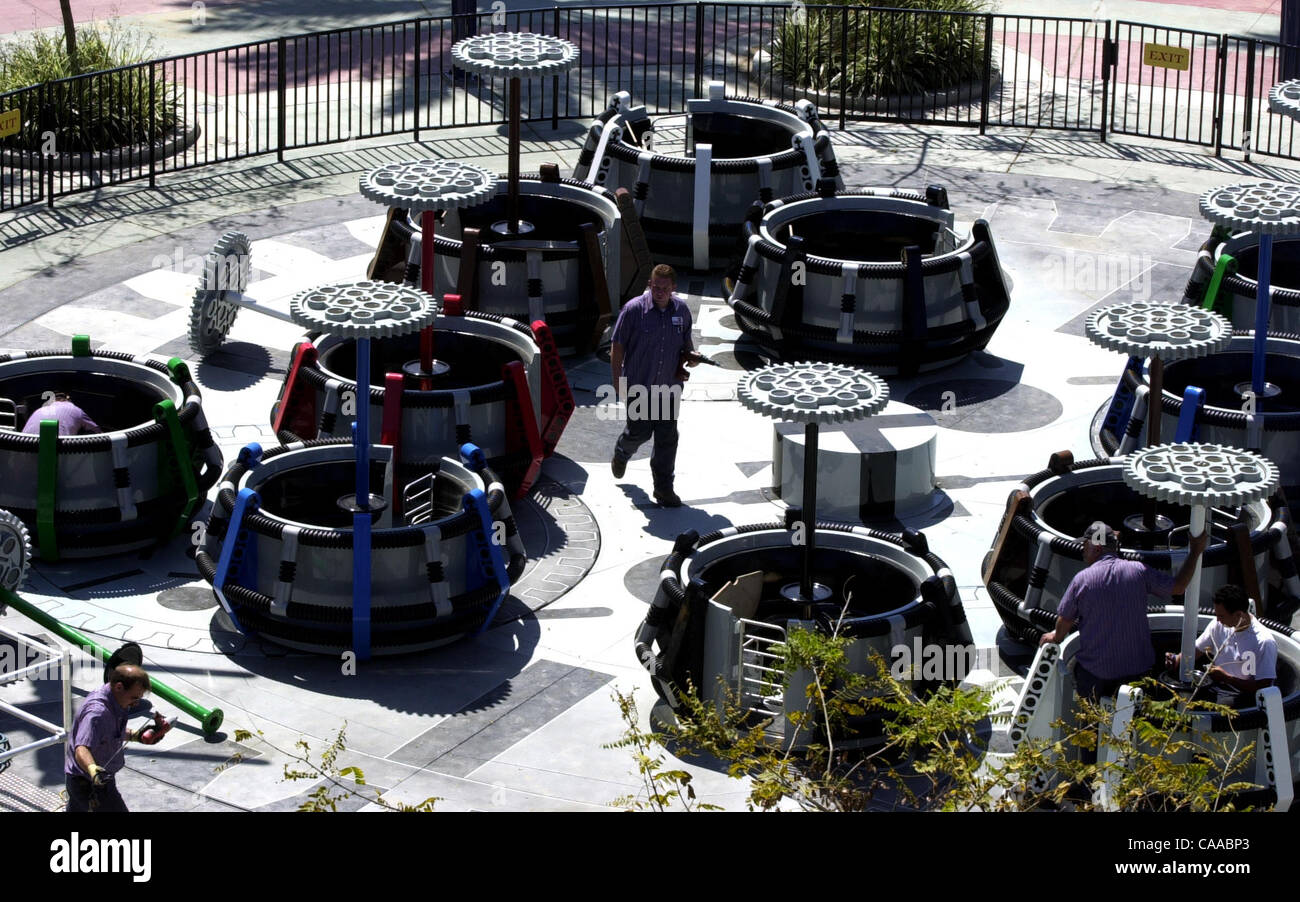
1109	57
153	132
418	44
844	63
699	48
1220	92
45	122
1248	133
281	114
555	82
988	72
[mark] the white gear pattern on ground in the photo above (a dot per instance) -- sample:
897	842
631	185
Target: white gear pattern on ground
1168	331
420	185
813	392
1284	98
509	54
1200	474
15	552
364	309
1267	208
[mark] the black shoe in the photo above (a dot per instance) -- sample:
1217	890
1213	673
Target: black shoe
667	498
618	466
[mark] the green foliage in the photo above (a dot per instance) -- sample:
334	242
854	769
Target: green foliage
930	756
100	111
663	786
898	47
337	784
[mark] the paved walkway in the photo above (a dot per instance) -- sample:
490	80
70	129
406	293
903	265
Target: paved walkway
518	718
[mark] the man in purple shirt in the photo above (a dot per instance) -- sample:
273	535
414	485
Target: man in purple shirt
651	340
99	733
72	419
1108	602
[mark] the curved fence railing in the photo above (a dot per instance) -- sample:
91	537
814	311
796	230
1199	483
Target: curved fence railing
856	63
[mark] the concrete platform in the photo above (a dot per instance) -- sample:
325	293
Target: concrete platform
517	719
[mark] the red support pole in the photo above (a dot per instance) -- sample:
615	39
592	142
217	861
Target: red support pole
427	221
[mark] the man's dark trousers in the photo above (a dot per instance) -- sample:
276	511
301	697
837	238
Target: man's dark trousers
664	456
81	791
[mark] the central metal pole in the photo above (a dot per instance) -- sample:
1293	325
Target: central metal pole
1192	601
809	511
427	223
1262	301
512	199
1155	412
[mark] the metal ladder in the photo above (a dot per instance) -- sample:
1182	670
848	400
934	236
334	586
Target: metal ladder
417	500
760	678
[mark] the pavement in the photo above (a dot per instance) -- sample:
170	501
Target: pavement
521	717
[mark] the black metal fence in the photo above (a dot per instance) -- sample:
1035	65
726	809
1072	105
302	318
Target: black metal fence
855	63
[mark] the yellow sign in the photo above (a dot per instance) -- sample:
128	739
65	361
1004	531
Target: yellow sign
1162	56
11	121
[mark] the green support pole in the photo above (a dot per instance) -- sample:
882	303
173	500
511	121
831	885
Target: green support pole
47	477
165	412
209	720
1227	264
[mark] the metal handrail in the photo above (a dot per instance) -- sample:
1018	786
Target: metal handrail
57	734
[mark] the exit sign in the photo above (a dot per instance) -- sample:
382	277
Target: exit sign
10	122
1162	56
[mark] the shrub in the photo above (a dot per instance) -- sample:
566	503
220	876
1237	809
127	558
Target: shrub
94	112
893	48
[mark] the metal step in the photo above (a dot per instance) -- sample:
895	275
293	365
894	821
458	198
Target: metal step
16	794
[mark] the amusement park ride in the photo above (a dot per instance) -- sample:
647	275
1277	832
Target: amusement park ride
423	402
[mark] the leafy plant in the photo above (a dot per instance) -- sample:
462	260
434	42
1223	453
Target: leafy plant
107	108
891	47
337	783
663	786
929	755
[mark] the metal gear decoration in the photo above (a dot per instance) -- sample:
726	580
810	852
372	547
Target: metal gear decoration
813	392
225	271
508	54
1284	98
1168	331
1200	474
1267	208
15	552
364	309
422	185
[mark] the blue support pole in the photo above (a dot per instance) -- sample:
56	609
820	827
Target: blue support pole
491	555
1193	401
1261	317
361	517
361	434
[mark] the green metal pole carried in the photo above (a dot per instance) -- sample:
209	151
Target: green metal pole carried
210	720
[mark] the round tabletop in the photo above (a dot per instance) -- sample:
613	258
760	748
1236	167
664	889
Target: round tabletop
509	54
422	185
813	392
1168	331
1200	474
1267	208
364	309
1284	98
